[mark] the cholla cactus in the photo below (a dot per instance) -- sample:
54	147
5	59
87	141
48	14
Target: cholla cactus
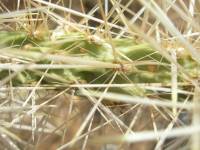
112	79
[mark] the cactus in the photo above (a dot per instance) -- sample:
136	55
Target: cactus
82	85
